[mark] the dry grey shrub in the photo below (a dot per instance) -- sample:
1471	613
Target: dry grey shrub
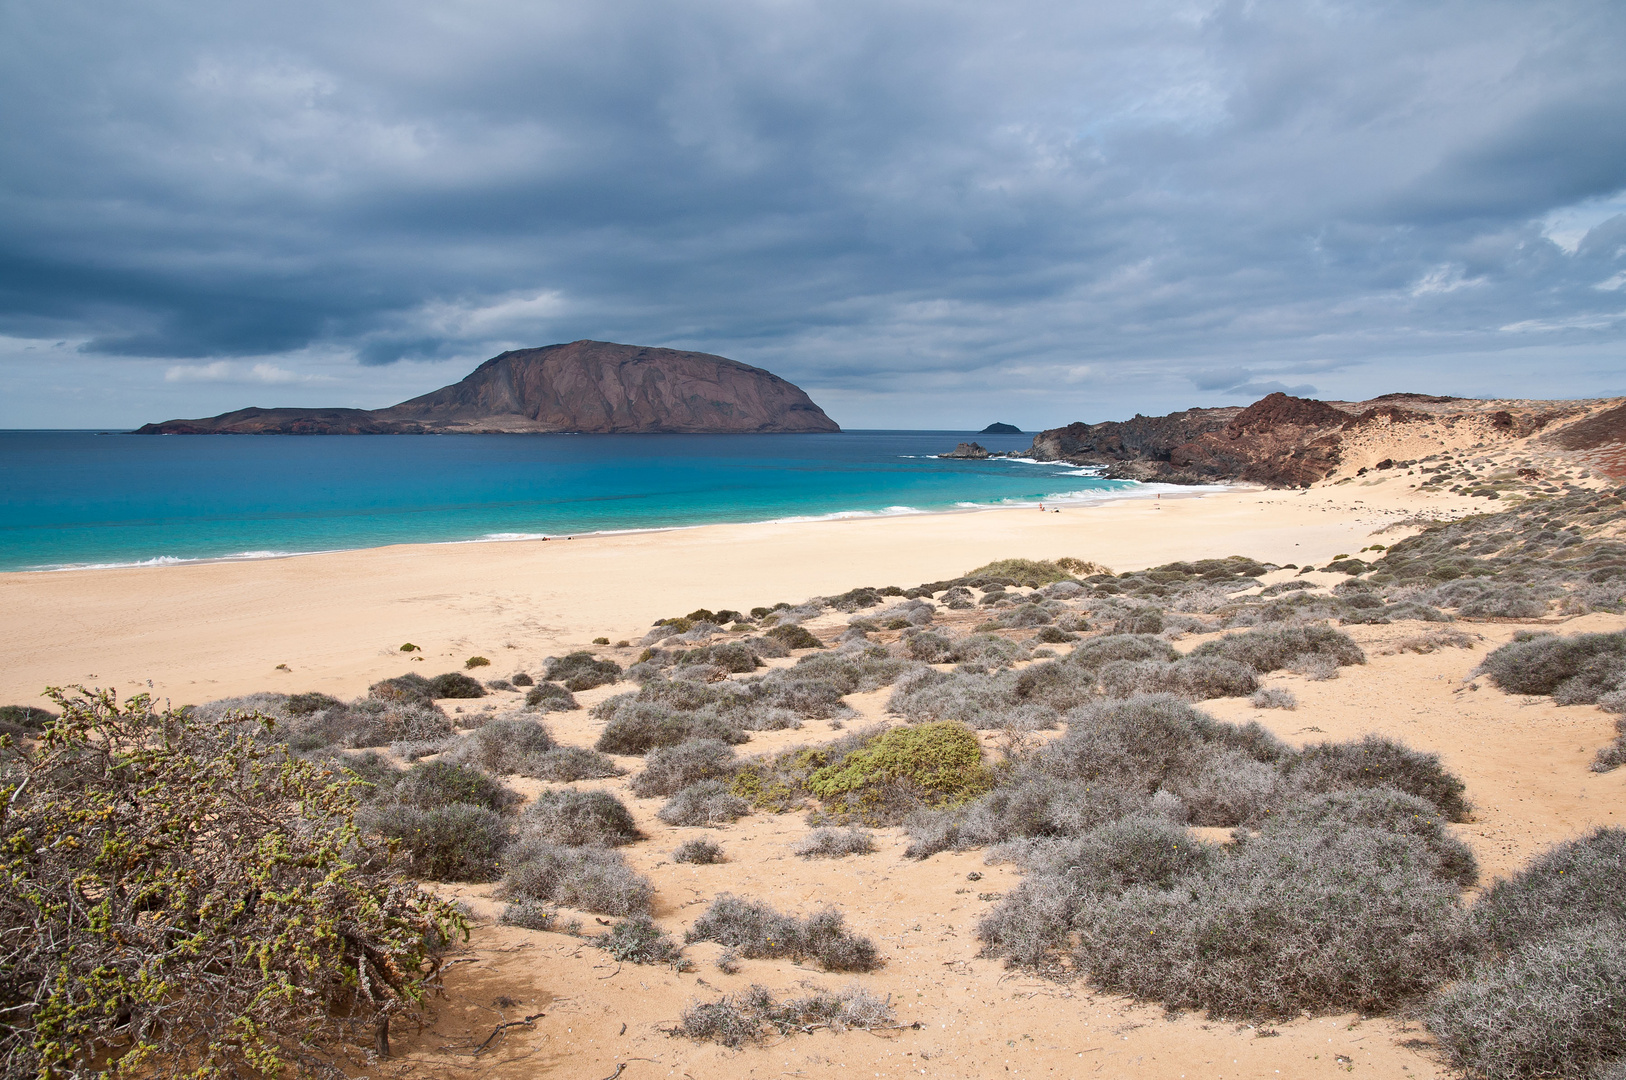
1279	647
757	930
756	1015
699	851
639	940
575	818
1274	697
1432	641
834	843
708	803
1315	668
589	878
669	769
502	747
568	764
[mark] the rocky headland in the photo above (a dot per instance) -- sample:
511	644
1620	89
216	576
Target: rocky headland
1282	441
585	386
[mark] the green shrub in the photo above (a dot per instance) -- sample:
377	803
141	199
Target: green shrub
1575	670
1279	647
476	661
575	818
639	940
589	878
792	636
550	697
455	842
431	784
757	930
942	762
670	769
707	803
409	647
834	843
455	684
1379	762
1030	573
580	671
698	851
301	937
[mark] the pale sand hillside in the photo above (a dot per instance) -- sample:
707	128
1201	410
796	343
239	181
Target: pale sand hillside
207	631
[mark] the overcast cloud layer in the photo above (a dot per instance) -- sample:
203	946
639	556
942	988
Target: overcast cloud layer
925	214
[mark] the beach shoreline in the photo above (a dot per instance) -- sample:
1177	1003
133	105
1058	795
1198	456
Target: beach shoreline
335	620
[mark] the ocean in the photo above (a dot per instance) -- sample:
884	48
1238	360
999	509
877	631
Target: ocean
93	499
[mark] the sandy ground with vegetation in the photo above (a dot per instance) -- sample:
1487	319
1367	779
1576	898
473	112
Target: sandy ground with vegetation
335	623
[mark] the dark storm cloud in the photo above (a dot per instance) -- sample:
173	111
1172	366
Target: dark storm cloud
1069	207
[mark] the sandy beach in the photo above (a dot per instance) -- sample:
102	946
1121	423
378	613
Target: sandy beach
336	621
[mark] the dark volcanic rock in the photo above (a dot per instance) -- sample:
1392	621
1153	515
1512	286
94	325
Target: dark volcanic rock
1000	429
585	386
966	450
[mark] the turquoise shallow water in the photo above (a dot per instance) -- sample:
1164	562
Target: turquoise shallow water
76	498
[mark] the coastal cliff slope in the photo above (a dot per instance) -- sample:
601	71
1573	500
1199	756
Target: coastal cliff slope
584	386
1282	441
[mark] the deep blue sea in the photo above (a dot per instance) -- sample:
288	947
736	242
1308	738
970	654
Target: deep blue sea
81	498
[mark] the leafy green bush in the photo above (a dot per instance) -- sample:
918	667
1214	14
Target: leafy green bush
431	784
575	818
670	769
757	930
939	763
1575	670
294	955
707	803
590	878
453	842
580	671
476	661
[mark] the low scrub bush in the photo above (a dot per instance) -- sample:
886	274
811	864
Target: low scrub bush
580	671
1033	926
1379	762
1274	697
455	684
1054	635
933	765
1195	678
1030	805
1028	573
1356	920
1386	809
758	931
709	803
305	704
502	747
550	697
140	944
533	915
927	646
792	636
1571	884
431	784
731	656
639	940
476	661
987	652
834	843
408	687
1279	647
576	818
571	763
1613	755
521	679
23	719
699	851
978	701
636	727
1574	670
1057	684
670	769
455	842
756	1015
588	878
1099	651
1554	1006
1481	598
369	722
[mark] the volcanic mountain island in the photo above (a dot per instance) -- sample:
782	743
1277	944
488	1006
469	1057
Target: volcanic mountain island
586	386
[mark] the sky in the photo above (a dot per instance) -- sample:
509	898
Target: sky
926	215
